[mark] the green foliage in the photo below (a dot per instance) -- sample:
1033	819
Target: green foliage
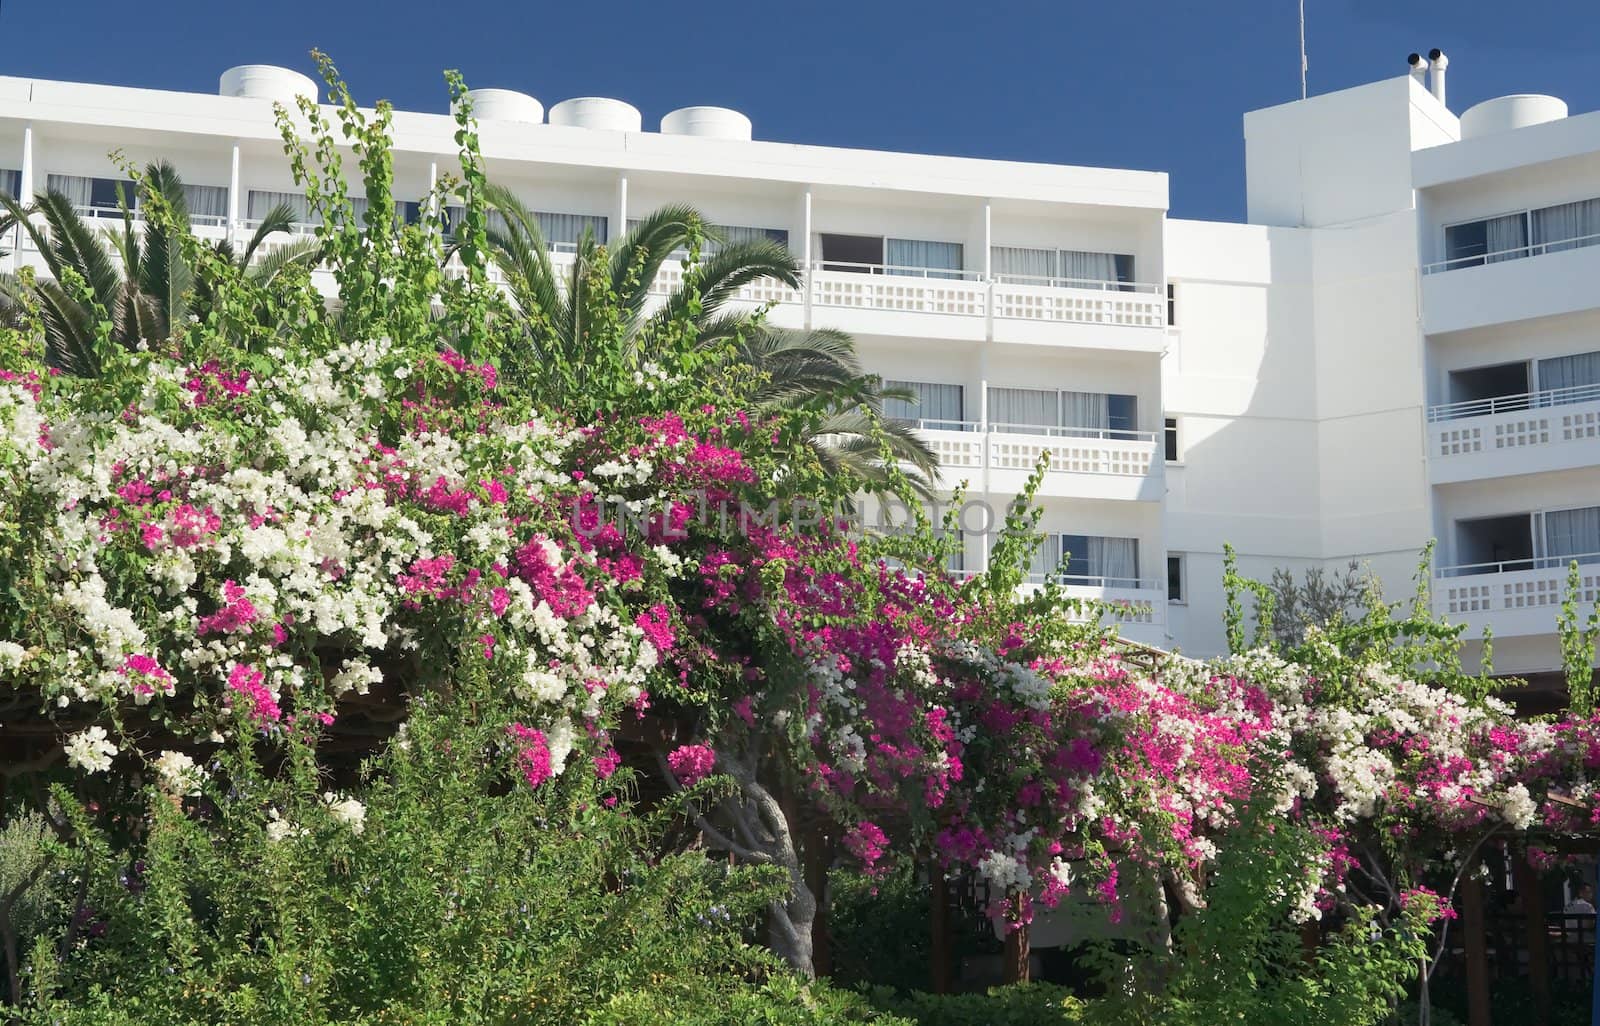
1031	1004
1240	959
879	929
1578	637
465	897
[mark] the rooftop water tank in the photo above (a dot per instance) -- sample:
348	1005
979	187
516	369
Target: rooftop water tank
707	122
505	105
1503	113
266	82
597	112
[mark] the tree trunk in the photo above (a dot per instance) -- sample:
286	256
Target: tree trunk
1018	952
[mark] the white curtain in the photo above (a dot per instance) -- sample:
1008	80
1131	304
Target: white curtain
1024	407
1116	560
1086	410
1556	227
10	182
1078	265
206	201
1045	558
1506	233
916	253
937	403
1569	372
1572	532
78	190
1023	266
567	230
259	201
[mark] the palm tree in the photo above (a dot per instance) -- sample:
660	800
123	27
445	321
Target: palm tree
139	278
817	369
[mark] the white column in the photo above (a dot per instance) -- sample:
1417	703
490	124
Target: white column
26	188
619	227
433	184
984	442
233	196
988	271
806	271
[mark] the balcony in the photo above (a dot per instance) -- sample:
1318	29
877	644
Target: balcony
1515	434
1517	598
1085	463
1139	607
1511	285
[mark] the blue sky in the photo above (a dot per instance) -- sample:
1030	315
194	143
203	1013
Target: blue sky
1129	83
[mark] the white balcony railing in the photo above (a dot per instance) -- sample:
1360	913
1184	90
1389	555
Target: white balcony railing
1515	253
1514	403
1470	591
1536	421
1141	602
967	445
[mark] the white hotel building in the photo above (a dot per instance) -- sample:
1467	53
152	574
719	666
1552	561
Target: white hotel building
1402	343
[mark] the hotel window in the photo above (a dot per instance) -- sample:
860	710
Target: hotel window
10	182
936	406
565	231
1576	378
94	193
1490	240
1566	226
1169	435
1172	305
208	204
1069	267
873	254
1570	534
1048	411
259	202
732	234
1091	560
1176	574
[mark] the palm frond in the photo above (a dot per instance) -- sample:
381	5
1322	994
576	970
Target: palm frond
280	218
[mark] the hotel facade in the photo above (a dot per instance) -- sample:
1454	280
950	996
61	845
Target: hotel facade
1401	344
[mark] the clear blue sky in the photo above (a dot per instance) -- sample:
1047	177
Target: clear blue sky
1122	83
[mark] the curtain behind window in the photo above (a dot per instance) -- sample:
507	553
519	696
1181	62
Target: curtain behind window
1045	558
1572	532
10	182
206	201
77	189
1022	266
1090	410
1024	407
567	230
1555	227
1569	371
1506	233
937	403
1116	560
1078	265
916	253
259	201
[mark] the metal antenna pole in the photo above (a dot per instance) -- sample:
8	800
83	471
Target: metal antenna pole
1303	63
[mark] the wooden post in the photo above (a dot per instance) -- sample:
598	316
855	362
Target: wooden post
1473	933
1018	952
1529	888
939	953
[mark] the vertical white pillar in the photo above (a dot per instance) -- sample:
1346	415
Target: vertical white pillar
986	447
433	184
988	272
233	196
619	227
806	271
26	188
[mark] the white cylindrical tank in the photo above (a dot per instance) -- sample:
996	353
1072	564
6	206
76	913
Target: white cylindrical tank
266	82
597	112
1503	113
504	105
707	122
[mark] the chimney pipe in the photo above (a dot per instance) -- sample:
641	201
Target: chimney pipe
1440	62
1419	69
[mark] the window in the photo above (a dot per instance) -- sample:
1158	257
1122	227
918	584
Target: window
1091	560
564	231
1068	267
1175	578
260	202
860	253
94	193
935	405
1169	435
1048	411
1573	379
1566	226
208	204
1571	534
1490	240
10	182
923	259
1172	305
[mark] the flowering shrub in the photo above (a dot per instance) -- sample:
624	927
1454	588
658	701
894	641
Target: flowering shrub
287	523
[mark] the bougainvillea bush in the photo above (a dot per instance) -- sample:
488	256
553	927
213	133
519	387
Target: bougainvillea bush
265	540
